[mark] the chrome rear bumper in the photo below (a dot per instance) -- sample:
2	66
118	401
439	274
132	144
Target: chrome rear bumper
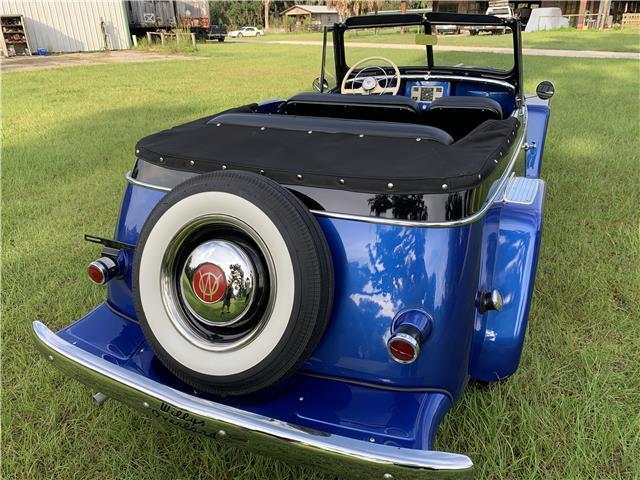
266	436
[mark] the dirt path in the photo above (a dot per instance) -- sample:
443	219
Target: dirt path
456	48
35	62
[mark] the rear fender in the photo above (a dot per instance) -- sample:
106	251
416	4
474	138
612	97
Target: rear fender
511	243
538	121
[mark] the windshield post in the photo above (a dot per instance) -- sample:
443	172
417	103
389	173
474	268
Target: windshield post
517	42
428	31
324	59
339	51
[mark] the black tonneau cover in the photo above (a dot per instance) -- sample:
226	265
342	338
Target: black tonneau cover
352	155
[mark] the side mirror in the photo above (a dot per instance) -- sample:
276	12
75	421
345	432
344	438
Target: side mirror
316	85
545	90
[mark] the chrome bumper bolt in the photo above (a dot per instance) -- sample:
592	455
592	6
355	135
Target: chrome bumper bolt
490	301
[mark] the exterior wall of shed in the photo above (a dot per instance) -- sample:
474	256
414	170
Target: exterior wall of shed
72	26
325	19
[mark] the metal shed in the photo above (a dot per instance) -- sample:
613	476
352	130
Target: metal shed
72	26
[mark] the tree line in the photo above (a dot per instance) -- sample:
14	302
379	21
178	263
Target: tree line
268	13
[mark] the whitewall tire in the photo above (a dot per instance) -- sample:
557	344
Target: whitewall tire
289	256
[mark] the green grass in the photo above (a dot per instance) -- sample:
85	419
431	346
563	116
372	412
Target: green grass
565	39
170	46
571	411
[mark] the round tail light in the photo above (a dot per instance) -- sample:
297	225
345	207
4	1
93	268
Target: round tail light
102	270
409	329
403	348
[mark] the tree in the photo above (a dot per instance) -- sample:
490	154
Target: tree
374	5
349	8
266	13
237	279
236	13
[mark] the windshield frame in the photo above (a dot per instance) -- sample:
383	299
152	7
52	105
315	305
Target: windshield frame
428	21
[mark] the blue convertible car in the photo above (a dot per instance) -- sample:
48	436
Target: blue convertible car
317	278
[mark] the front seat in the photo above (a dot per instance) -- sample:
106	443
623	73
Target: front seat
387	108
460	115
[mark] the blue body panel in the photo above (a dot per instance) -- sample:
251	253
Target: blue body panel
136	206
381	270
500	95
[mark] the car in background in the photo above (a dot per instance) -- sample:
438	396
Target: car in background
217	32
246	32
447	29
503	12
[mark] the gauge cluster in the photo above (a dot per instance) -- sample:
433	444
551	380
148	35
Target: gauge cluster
424	92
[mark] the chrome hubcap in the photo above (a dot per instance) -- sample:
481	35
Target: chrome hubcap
217	283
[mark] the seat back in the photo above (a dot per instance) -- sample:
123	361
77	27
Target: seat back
460	115
389	108
332	125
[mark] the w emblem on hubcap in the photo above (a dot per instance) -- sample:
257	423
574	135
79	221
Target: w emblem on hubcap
209	283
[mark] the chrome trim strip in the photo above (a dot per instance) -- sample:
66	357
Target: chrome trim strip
266	436
428	77
151	186
497	193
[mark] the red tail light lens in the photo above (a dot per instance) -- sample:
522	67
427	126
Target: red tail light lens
410	328
102	270
403	348
97	273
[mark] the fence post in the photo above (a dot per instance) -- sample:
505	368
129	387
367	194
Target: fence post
193	39
149	37
134	38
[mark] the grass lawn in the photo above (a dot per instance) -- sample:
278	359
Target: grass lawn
571	411
569	39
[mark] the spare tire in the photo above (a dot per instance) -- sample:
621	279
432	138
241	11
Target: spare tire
233	282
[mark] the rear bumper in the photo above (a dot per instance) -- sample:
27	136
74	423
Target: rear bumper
342	455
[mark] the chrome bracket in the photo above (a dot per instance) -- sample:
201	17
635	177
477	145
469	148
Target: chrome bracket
108	243
528	146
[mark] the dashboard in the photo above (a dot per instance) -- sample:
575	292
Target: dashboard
426	91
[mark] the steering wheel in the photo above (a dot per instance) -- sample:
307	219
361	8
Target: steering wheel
368	83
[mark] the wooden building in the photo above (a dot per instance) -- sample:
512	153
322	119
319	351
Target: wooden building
317	16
